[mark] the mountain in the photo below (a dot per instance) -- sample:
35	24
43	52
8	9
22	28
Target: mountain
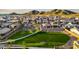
13	13
60	11
54	11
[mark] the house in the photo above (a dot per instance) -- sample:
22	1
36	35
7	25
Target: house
43	27
12	21
56	17
14	17
45	20
13	25
4	30
2	19
6	24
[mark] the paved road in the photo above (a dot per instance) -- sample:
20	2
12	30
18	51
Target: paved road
69	44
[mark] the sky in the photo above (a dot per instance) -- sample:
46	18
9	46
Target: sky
6	11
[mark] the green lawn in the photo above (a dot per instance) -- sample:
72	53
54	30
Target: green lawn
19	34
42	39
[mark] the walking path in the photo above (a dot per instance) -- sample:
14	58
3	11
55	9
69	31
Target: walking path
73	34
8	41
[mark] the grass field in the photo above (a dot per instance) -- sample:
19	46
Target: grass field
41	39
19	34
